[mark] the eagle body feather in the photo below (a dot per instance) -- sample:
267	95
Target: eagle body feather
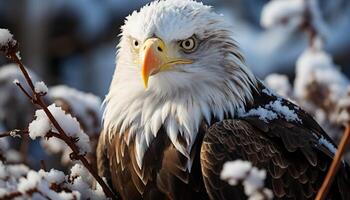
290	151
170	141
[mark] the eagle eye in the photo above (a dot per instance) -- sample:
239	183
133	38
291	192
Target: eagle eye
189	44
136	44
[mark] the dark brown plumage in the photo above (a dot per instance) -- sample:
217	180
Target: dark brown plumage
295	162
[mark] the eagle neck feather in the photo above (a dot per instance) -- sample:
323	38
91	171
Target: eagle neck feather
142	113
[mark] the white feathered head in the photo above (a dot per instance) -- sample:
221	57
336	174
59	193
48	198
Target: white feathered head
177	63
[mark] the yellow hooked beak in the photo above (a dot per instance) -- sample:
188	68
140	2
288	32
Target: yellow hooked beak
156	59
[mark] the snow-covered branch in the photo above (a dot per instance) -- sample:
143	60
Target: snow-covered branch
19	181
51	118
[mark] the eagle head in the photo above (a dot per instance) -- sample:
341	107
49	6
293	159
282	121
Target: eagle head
177	64
171	46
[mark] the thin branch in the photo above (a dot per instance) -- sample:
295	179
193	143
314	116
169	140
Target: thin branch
24	91
37	100
14	133
15	58
322	192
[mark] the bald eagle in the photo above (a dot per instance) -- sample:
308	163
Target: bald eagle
182	102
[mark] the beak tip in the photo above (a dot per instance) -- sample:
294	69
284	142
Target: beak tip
145	83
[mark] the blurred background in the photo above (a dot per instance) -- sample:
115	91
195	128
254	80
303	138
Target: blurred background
73	42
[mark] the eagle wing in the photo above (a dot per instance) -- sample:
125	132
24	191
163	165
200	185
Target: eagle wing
295	162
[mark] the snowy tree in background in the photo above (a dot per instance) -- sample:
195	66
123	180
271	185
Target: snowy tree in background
319	86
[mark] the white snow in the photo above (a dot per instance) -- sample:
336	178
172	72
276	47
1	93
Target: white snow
284	111
263	113
235	171
40	87
252	178
42	125
71	127
279	11
265	193
5	37
83	181
82	105
18	178
254	181
80	170
272	111
16	81
326	143
18	54
29	182
268	91
41	181
53	176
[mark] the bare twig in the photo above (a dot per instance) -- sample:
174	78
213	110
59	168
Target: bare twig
14	133
334	166
37	100
24	90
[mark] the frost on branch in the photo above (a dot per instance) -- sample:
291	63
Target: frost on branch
5	37
42	125
81	180
250	177
84	106
7	43
57	124
41	88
